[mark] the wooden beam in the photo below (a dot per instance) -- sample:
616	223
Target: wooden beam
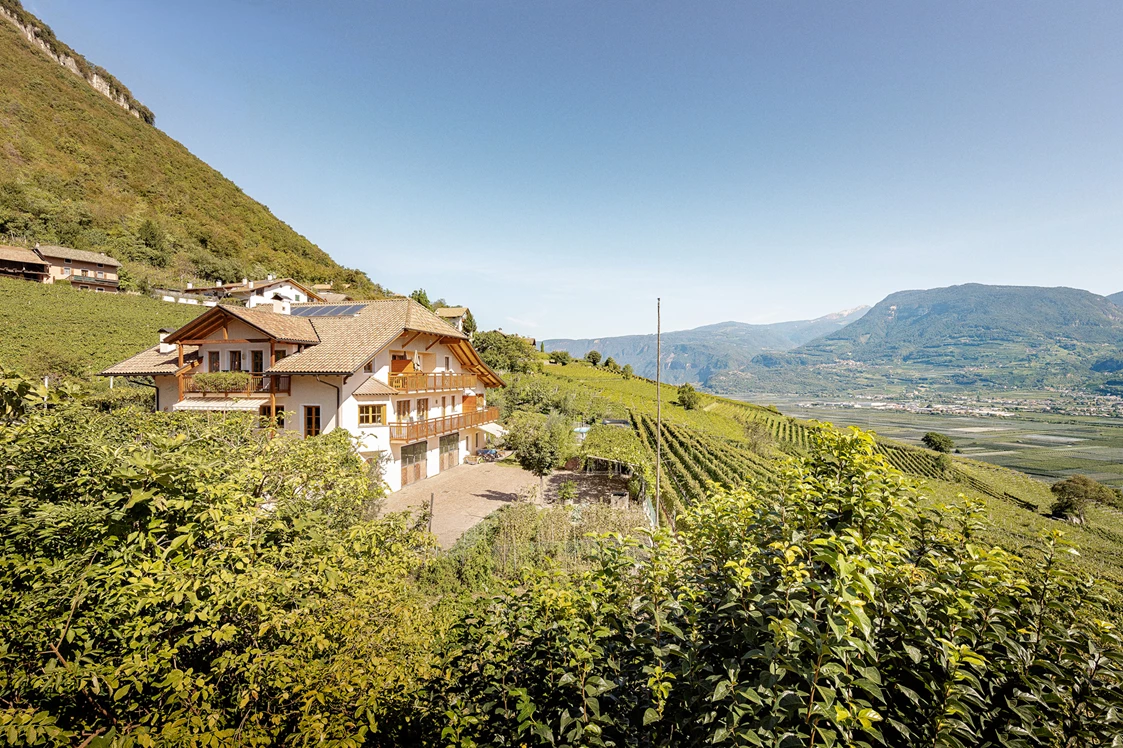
438	340
204	341
179	347
272	352
225	332
416	335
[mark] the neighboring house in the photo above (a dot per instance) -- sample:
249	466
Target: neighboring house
408	388
86	271
255	292
331	297
454	315
17	262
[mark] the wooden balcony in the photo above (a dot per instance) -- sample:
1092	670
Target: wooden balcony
421	382
260	384
417	430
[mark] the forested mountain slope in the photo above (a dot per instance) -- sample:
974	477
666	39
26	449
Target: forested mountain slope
974	334
1116	298
696	355
78	169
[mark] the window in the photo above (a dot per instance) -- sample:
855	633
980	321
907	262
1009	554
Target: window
67	261
444	406
85	273
447	364
454	403
402	409
235	360
101	273
213	361
369	367
257	361
267	416
99	289
311	420
423	408
100	265
372	415
280	353
66	271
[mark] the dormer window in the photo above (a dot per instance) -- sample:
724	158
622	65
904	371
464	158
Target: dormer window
369	367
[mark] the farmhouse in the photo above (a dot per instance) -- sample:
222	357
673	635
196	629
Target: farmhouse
454	315
86	271
254	292
410	389
17	262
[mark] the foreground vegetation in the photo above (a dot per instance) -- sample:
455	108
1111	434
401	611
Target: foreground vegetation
184	580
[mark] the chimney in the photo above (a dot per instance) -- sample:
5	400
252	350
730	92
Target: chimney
166	347
269	277
251	284
245	281
282	306
190	285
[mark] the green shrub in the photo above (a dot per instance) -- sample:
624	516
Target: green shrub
223	381
938	442
823	610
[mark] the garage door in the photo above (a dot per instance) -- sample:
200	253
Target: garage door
414	457
450	451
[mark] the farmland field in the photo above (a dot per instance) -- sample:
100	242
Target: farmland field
727	442
1044	445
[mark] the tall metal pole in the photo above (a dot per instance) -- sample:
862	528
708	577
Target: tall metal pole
658	406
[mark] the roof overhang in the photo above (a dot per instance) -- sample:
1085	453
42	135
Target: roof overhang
215	319
470	359
223	404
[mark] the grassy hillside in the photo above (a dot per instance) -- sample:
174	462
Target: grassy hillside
57	330
76	169
728	441
697	355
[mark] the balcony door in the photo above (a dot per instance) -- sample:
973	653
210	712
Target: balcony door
235	360
257	361
422	408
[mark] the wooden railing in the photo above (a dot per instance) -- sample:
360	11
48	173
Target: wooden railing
260	384
409	432
421	382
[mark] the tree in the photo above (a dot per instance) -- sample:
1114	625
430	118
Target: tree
421	298
688	397
611	365
593	357
469	323
1073	494
628	371
540	443
505	352
938	442
560	357
542	347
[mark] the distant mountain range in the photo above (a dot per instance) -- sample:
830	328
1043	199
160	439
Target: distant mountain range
968	335
698	354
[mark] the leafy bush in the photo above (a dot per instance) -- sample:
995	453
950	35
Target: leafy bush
1073	495
185	580
826	610
688	397
938	442
223	381
561	358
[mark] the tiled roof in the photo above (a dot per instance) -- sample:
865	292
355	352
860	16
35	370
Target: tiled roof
19	254
374	387
346	343
452	311
81	255
283	327
330	297
151	362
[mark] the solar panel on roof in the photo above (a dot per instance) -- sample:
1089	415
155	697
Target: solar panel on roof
332	310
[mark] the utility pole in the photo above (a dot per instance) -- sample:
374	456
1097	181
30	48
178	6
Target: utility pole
658	405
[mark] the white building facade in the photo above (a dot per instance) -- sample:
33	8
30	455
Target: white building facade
408	387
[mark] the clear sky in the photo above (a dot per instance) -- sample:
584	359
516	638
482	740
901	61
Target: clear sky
556	165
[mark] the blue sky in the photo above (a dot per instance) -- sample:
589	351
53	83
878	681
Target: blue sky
558	165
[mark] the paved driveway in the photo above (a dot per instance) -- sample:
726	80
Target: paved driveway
463	496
